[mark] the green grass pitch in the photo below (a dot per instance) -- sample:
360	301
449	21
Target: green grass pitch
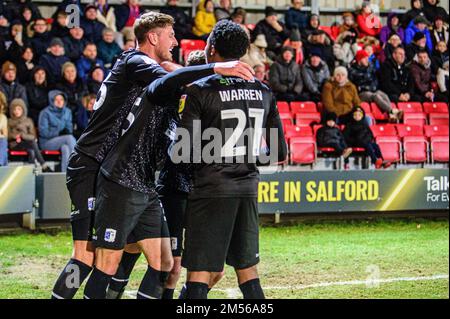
376	259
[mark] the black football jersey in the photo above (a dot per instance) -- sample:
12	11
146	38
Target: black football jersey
242	111
132	72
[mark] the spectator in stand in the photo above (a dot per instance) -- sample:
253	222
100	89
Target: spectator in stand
274	31
205	19
442	80
9	85
363	74
3	132
319	40
85	112
129	44
349	25
345	47
55	127
26	18
73	87
393	42
22	134
87	61
440	55
260	73
358	134
37	93
17	41
74	43
183	23
126	15
313	25
416	10
295	16
285	77
340	96
53	61
395	77
59	27
257	53
421	75
16	8
419	43
420	24
91	26
96	77
295	42
25	65
4	30
373	59
432	10
106	14
41	38
315	73
393	26
108	49
369	24
330	135
238	16
223	11
439	32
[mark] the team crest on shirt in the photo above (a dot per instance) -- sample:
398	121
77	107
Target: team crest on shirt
182	104
91	203
110	235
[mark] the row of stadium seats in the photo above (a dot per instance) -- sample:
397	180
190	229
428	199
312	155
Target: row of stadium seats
399	143
19	156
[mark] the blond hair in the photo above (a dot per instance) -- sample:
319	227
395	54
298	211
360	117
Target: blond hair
150	21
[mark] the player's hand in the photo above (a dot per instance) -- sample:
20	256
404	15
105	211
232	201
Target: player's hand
170	66
235	68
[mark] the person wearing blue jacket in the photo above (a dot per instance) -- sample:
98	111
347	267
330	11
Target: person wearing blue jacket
419	24
53	61
55	127
88	61
295	17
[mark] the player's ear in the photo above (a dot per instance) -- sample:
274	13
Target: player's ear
152	38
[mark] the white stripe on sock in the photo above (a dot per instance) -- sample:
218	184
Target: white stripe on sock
56	296
145	296
120	280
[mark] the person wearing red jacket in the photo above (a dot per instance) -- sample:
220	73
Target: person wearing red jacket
369	24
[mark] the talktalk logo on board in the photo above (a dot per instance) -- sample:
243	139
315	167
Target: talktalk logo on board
437	188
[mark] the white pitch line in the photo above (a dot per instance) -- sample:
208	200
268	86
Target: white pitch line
234	293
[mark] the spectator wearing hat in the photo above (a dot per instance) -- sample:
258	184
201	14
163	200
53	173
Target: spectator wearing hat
108	49
74	43
87	61
339	95
25	65
41	38
432	9
257	53
59	25
315	73
420	24
95	80
91	26
369	24
419	43
442	80
22	134
274	31
3	131
440	55
55	127
422	76
285	77
9	85
440	31
319	41
295	16
37	92
363	74
223	11
395	77
205	19
238	16
73	87
53	61
393	26
410	15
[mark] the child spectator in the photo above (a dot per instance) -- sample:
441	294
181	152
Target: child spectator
53	61
295	16
91	26
25	65
368	23
439	33
223	11
108	49
442	80
204	20
37	92
41	38
358	134
9	85
419	25
73	88
393	26
87	61
74	43
3	132
410	15
285	77
330	135
315	73
96	77
55	127
22	134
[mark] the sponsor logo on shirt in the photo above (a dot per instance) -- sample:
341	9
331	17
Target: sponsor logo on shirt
110	235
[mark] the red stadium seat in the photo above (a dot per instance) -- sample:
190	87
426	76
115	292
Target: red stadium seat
320	107
391	148
303	150
384	130
303	107
438	118
187	46
306	119
435	107
292	131
439	149
415	149
51	153
18	153
436	130
409	130
419	119
283	107
286	119
410	107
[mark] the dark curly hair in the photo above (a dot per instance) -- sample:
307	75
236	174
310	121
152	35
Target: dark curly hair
229	39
